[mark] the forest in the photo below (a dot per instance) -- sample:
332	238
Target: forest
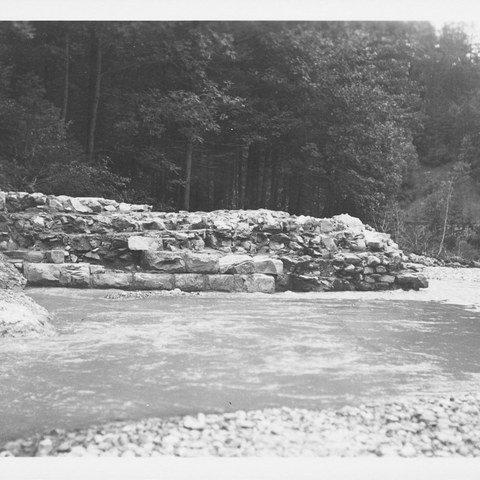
313	118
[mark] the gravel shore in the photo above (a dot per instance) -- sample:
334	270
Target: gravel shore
428	427
136	294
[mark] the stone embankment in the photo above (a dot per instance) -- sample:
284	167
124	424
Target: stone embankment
411	427
94	242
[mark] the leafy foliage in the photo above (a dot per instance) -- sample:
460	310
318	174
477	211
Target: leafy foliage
310	117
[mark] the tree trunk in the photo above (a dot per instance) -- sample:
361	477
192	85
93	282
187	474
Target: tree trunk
234	203
188	174
95	80
263	190
66	80
445	223
274	165
243	174
211	183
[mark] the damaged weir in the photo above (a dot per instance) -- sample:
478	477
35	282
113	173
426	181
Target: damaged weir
94	242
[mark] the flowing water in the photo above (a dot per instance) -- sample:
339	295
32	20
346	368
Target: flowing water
162	356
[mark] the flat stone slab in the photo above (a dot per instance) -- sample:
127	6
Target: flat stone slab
153	281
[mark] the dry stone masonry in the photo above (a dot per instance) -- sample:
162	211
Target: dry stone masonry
93	242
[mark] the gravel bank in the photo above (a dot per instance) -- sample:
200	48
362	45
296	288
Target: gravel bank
440	427
136	294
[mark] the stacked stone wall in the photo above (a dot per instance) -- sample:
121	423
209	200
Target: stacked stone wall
95	242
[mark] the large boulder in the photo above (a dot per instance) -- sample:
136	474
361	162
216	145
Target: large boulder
411	280
20	316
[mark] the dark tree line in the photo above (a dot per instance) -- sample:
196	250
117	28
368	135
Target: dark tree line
309	117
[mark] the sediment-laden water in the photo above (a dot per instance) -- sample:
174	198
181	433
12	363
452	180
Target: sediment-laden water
163	356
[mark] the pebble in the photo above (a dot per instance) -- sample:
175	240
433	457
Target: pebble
414	427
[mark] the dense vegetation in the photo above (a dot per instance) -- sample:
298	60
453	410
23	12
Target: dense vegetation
313	118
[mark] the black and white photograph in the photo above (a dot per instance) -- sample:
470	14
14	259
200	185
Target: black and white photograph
253	238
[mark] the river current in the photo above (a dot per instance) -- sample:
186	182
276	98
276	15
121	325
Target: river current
164	356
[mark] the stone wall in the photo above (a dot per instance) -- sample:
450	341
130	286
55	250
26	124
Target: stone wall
94	242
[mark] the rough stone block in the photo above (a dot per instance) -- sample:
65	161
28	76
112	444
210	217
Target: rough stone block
111	279
78	206
197	244
351	258
349	268
414	281
153	224
268	265
258	283
201	262
220	283
34	256
93	256
94	203
42	274
80	243
165	262
54	203
326	226
387	279
75	275
190	282
359	245
55	256
366	286
341	285
153	281
140	208
283	282
328	243
373	261
240	264
138	243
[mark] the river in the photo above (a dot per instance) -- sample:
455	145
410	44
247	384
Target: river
163	356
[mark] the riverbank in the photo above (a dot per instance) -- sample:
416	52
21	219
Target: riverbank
440	427
458	286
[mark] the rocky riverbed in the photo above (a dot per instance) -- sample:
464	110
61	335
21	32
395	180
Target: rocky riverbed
440	427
